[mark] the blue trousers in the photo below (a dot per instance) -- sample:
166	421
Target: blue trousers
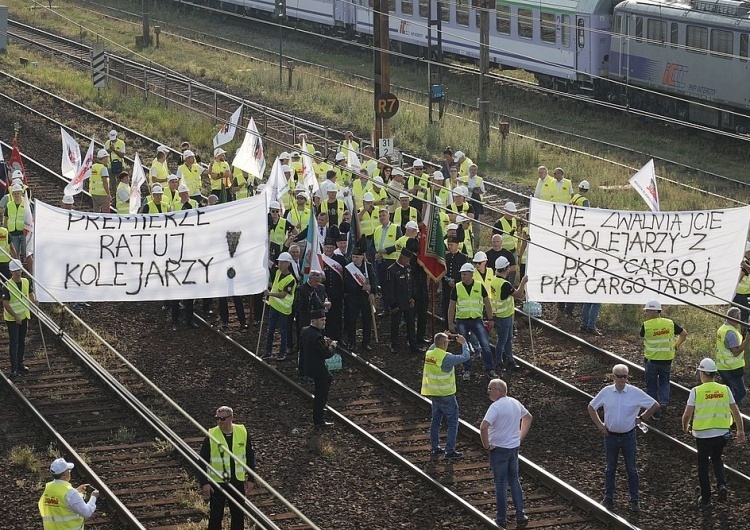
504	348
589	315
504	464
276	317
657	380
475	326
444	406
614	444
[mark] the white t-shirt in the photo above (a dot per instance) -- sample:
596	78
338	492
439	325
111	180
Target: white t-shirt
504	417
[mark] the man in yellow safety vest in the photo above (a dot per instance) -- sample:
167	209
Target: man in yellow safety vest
62	506
730	354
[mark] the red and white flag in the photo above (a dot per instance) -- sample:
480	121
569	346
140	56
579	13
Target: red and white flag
76	185
15	162
139	177
250	156
644	183
226	133
71	155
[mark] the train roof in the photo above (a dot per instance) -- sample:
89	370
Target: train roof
719	8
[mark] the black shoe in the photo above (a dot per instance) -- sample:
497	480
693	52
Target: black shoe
265	357
416	349
522	522
635	507
514	366
608	503
324	425
13	374
244	327
367	347
454	455
24	370
394	349
281	357
224	326
174	327
193	325
705	507
594	331
209	313
439	451
722	495
501	524
583	330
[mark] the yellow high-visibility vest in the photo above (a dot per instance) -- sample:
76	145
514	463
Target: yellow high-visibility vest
435	382
712	407
658	339
725	359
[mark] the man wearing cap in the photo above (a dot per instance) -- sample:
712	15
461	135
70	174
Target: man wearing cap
280	232
503	295
462	162
579	199
348	144
463	232
405	213
334	282
116	150
742	295
418	184
730	354
384	238
320	165
18	295
226	446
61	505
460	206
67	202
170	191
243	184
544	177
368	221
361	186
296	164
340	167
712	409
299	216
183	200
661	340
156	203
358	299
475	185
454	260
507	227
395	188
190	173
438	190
399	284
622	404
122	195
159	168
221	176
15	216
310	296
99	183
469	302
280	299
315	349
557	189
379	192
333	206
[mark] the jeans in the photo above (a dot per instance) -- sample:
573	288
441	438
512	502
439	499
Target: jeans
475	326
710	449
657	380
613	445
589	314
277	317
218	501
18	240
735	381
444	406
504	464
17	340
504	348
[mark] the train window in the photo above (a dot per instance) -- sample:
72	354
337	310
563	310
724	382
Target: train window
462	12
618	25
638	29
407	7
525	23
477	5
696	39
722	43
502	19
674	35
656	31
743	47
445	12
424	8
392	6
565	30
548	27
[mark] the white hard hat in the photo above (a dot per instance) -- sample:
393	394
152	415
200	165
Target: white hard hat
162	149
340	156
510	207
219	151
378	181
369	197
501	262
286	169
17	174
584	185
467	267
707	365
397	172
652	305
479	257
182	188
332	188
462	219
187	153
403	195
68	199
417	163
284	156
274	205
285	256
173	177
452	226
16	187
412	225
102	153
295	154
157	189
461	190
14	265
438	175
112	134
458	155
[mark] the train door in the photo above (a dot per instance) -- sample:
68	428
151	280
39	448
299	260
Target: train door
344	13
583	50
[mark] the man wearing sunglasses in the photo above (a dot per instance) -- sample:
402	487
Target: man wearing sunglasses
622	404
223	468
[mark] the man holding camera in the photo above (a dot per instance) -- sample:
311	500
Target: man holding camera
62	505
439	383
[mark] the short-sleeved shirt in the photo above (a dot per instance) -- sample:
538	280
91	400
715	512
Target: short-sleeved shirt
454	296
5	294
504	417
493	254
621	408
708	433
731	340
677	330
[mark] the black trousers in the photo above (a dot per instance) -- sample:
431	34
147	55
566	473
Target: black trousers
322	386
710	449
356	306
239	308
334	318
17	339
188	304
219	500
408	316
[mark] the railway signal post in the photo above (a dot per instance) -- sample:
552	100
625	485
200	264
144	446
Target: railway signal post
484	66
382	60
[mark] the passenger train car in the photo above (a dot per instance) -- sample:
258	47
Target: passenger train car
695	49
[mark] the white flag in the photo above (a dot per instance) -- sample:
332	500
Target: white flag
139	177
250	157
226	133
352	161
28	225
309	179
277	184
76	185
644	183
71	155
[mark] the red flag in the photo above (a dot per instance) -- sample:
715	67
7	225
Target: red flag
15	162
431	244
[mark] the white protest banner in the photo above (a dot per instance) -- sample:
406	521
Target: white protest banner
71	155
610	256
644	183
199	253
226	133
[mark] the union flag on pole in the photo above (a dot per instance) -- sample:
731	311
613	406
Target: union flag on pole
432	245
76	185
15	162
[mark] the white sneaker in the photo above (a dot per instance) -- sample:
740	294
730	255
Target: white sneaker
467	376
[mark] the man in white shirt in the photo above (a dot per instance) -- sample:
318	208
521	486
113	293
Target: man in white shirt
622	404
62	503
504	426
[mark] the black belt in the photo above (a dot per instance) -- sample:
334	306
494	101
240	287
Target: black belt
621	433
